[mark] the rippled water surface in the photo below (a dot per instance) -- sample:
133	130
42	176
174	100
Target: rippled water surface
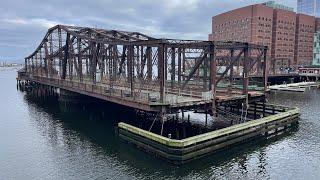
40	140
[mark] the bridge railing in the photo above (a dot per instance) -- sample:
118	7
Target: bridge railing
100	89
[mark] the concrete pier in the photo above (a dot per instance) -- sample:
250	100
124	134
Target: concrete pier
185	150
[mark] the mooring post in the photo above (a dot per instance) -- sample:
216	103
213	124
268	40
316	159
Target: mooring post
264	109
177	133
206	118
255	110
182	114
184	132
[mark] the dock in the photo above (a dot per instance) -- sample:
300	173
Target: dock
295	87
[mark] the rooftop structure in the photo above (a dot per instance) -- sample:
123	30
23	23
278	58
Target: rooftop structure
274	5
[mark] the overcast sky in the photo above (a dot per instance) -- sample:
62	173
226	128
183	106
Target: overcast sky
23	23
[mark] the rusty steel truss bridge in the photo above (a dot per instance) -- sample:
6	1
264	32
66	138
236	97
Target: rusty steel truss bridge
147	73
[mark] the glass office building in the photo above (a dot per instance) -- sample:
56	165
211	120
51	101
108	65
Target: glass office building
310	7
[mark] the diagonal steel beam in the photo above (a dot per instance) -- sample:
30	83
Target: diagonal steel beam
228	68
196	67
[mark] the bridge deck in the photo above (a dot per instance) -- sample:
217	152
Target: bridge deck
147	99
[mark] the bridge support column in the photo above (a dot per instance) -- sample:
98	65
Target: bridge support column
213	76
231	72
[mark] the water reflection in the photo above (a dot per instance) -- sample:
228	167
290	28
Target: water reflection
43	140
90	130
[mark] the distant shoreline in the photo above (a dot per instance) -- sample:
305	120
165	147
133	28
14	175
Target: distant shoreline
5	68
11	65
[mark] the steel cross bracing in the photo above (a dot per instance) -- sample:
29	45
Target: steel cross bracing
143	72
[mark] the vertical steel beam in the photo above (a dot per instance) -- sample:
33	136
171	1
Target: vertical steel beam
161	71
115	61
66	56
137	59
265	70
184	63
246	74
79	59
32	64
179	65
149	63
130	68
60	51
91	60
142	63
46	58
95	53
165	51
213	77
129	64
52	60
173	67
71	60
231	71
87	65
205	73
26	64
36	66
102	61
41	63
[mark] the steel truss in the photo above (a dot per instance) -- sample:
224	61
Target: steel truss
144	69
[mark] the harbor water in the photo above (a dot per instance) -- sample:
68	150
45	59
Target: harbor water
43	139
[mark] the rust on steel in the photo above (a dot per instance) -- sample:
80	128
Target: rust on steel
144	72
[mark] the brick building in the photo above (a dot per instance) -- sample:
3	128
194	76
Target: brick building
288	35
283	38
305	30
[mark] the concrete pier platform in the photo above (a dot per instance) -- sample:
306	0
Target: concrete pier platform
185	150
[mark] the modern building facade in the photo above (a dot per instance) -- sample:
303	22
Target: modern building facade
312	7
316	49
288	35
309	7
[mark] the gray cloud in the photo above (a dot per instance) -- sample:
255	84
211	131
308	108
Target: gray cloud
24	23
